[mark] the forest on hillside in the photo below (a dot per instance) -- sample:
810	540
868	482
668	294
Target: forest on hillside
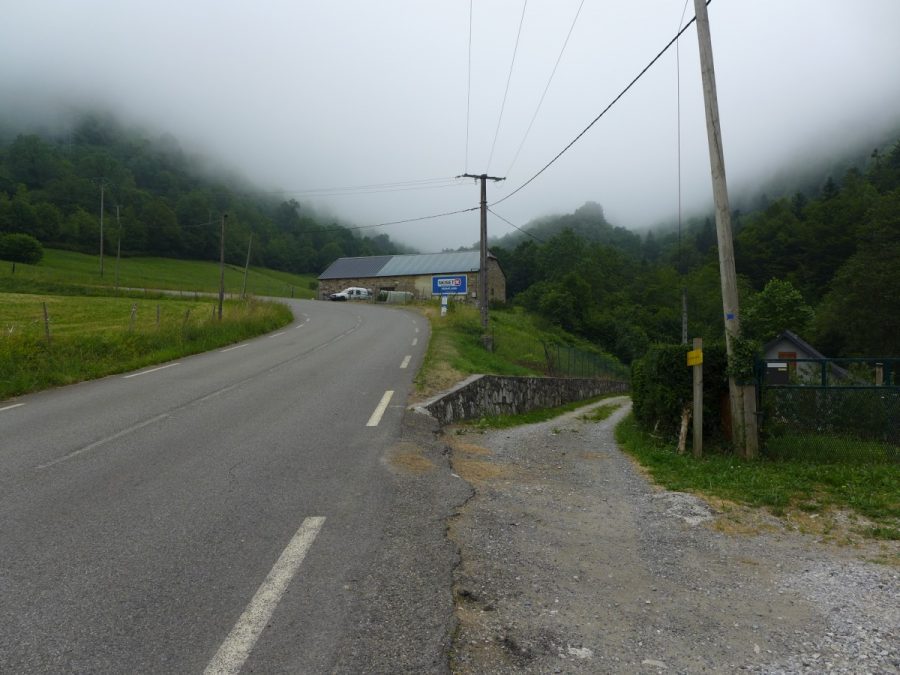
826	266
161	200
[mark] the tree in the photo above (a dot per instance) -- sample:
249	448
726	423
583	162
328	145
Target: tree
21	248
860	315
778	307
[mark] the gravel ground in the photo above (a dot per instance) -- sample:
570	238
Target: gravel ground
572	562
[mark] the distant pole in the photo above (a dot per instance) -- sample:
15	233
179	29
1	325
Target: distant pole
483	266
246	267
222	265
118	247
102	189
743	399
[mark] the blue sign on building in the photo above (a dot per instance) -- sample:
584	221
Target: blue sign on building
449	285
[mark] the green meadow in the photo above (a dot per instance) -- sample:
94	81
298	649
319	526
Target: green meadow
69	272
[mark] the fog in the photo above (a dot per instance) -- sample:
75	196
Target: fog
306	97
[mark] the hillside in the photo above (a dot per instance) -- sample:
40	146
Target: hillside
157	200
824	266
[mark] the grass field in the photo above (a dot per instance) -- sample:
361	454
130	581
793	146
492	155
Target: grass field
791	482
92	337
76	273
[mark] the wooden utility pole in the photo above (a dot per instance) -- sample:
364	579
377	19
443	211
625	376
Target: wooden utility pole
246	267
743	398
102	190
222	265
483	266
118	247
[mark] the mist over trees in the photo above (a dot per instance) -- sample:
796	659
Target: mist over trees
166	201
824	265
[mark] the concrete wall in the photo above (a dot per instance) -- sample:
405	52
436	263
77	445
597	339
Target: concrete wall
488	395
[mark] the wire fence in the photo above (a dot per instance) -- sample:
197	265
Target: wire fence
567	361
830	409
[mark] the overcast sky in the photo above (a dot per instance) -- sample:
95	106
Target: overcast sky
301	95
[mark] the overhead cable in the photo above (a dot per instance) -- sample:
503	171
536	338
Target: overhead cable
508	80
546	89
602	113
523	231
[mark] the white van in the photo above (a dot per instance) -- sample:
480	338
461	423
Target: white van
352	293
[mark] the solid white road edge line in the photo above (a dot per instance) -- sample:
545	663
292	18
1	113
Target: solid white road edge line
231	349
96	444
152	370
379	411
405	361
10	407
239	643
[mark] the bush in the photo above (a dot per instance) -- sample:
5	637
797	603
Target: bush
661	385
21	248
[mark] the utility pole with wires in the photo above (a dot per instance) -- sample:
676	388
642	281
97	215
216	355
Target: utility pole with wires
103	183
222	265
743	397
486	339
118	247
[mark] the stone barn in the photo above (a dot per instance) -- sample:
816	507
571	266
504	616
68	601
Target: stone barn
424	275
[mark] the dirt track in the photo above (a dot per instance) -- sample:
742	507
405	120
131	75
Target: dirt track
573	563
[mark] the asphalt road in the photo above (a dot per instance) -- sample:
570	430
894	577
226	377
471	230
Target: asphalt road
233	511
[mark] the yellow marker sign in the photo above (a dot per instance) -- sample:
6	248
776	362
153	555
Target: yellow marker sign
695	357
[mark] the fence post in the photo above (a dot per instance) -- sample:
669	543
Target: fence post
46	323
157	315
879	374
131	320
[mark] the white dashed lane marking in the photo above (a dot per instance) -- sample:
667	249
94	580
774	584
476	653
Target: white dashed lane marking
405	361
379	411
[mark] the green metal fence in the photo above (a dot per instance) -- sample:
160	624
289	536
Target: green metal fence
566	361
830	409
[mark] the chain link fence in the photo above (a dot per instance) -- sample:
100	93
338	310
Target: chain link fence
567	361
830	409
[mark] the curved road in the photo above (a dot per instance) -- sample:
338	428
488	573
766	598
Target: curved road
220	513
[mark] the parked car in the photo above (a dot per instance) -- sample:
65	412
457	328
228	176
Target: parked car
352	293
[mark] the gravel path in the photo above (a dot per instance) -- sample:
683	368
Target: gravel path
572	562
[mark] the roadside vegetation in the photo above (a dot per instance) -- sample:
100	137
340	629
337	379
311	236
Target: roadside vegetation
455	350
91	337
792	482
71	273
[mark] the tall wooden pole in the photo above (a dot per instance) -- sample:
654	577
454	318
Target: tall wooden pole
743	399
102	189
483	266
246	267
222	265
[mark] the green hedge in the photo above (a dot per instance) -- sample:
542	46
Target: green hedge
661	387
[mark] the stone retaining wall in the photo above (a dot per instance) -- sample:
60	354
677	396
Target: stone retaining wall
489	395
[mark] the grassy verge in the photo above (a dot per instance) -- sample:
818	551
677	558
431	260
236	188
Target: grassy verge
92	337
67	272
539	415
872	490
455	350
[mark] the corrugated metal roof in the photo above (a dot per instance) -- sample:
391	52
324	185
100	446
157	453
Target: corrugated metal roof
403	265
353	268
431	263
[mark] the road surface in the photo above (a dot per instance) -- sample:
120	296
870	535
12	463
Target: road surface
230	512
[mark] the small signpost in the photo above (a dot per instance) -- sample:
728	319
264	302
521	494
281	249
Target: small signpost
695	361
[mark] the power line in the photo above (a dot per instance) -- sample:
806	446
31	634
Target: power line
398	222
469	87
508	80
536	238
603	112
546	89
